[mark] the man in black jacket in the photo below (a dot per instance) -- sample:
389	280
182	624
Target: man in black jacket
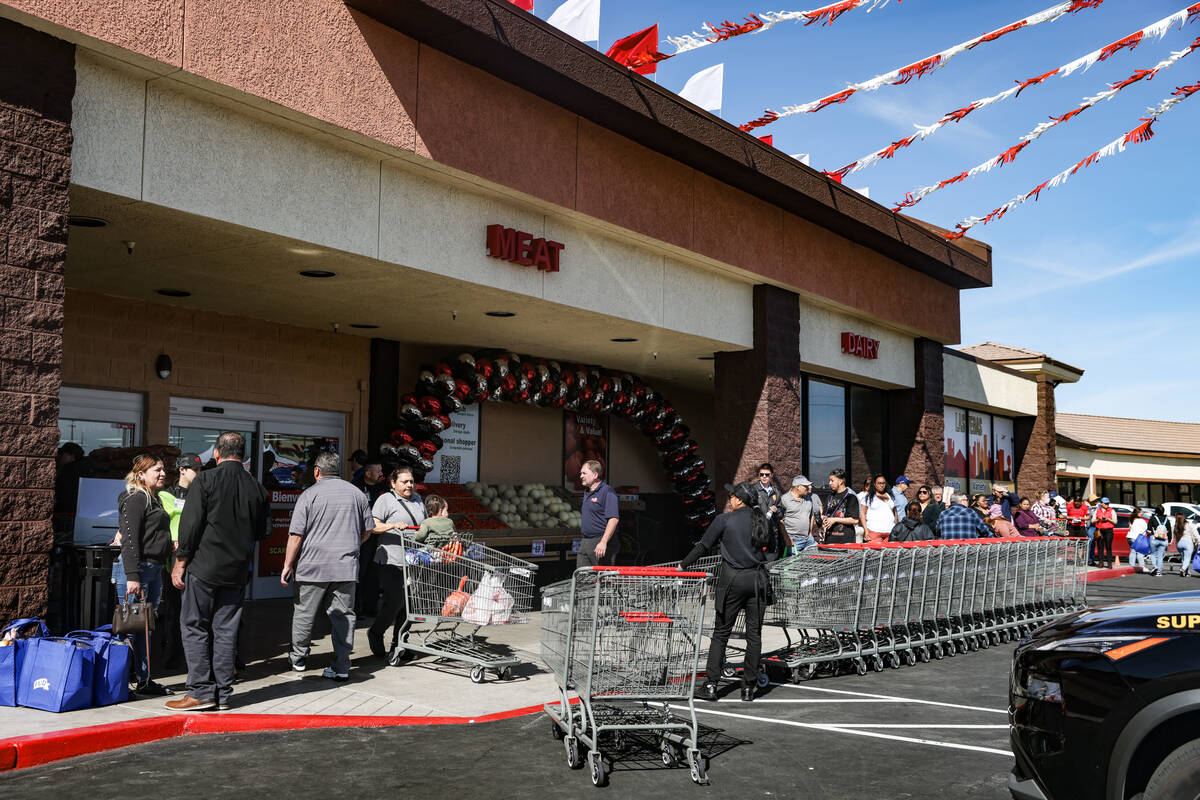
226	513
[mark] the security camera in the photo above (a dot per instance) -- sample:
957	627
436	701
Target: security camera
129	245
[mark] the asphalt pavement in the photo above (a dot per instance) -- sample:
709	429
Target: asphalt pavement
913	732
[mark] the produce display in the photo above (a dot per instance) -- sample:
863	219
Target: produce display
530	505
456	382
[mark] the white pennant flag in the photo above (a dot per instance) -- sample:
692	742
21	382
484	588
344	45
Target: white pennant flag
704	88
579	18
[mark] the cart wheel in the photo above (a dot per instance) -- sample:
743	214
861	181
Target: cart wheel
804	673
503	674
951	649
995	637
670	757
618	740
728	671
938	652
985	641
696	766
973	643
877	663
910	657
476	674
895	661
574	759
763	678
923	654
599	775
1004	636
860	666
556	731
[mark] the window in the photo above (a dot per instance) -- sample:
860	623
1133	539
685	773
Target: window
980	451
868	432
93	418
826	416
956	448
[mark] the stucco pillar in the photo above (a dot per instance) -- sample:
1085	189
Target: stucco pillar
759	411
1036	444
917	422
37	82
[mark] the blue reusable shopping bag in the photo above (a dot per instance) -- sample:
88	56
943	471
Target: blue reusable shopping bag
114	656
10	659
1196	561
56	674
1141	544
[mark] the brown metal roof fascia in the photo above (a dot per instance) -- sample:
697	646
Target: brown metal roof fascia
1040	360
515	46
983	362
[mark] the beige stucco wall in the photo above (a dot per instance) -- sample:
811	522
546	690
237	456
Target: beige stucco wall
821	328
981	387
1122	466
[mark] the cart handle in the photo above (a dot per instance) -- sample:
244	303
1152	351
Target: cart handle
651	572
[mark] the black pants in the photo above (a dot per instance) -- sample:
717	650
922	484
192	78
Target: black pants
586	557
367	598
1104	544
393	612
209	619
736	590
168	620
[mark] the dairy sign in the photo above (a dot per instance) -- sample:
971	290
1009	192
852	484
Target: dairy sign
855	344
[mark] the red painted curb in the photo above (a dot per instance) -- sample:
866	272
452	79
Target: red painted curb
21	752
1105	574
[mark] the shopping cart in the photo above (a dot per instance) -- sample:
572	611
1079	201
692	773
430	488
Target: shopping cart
625	642
452	592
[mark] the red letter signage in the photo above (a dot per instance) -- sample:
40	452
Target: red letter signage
509	244
861	346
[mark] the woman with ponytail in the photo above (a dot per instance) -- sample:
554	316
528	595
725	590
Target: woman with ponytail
748	542
144	531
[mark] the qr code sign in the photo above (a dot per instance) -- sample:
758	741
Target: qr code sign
451	469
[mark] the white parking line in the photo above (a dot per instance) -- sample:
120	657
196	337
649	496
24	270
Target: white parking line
882	697
914	725
854	732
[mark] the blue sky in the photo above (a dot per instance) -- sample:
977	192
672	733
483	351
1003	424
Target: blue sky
1101	272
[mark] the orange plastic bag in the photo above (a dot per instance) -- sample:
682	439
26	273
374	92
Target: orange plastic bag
451	551
457	601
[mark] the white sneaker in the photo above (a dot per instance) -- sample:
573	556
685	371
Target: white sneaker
336	676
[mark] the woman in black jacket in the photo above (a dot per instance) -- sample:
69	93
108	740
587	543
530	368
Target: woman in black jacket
748	542
144	531
911	527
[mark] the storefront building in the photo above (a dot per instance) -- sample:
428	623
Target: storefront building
280	216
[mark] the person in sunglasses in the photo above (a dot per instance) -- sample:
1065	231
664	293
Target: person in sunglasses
767	494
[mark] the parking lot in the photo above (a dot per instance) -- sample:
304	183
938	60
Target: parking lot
910	732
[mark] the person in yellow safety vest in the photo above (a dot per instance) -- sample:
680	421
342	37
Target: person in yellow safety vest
173	500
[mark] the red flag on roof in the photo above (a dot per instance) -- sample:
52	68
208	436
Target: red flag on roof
525	4
769	139
638	51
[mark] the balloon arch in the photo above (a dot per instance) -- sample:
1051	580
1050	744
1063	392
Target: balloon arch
455	383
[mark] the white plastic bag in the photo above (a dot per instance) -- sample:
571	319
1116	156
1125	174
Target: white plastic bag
490	603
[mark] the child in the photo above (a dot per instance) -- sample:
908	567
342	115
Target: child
437	528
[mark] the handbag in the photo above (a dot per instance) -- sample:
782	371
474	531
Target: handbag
114	657
56	674
456	601
130	618
12	648
1141	544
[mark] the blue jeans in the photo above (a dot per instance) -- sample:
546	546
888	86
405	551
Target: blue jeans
151	576
1091	534
1186	548
1158	548
800	545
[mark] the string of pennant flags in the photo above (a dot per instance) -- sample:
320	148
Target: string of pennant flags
1085	62
641	53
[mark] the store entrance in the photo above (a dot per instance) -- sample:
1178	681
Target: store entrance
280	446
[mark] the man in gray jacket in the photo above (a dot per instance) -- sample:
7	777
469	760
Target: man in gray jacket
329	524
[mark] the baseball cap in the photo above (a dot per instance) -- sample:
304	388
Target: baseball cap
800	480
1053	494
1104	500
188	460
900	480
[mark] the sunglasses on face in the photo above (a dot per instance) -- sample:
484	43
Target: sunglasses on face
764	474
922	491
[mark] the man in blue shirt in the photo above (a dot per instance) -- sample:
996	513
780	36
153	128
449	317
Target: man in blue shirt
960	522
599	517
900	494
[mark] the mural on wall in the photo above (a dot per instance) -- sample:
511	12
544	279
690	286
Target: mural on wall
585	438
979	451
456	383
956	448
1002	464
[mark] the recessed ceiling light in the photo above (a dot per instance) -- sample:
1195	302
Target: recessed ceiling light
706	358
317	273
363	325
173	292
500	313
623	339
87	222
304	251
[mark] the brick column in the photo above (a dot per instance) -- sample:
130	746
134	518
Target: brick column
917	422
759	410
1037	445
37	82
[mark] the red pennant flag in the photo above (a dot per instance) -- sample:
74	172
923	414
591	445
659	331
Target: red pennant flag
769	139
638	51
524	4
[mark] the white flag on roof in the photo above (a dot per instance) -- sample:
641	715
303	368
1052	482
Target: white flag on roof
579	18
704	88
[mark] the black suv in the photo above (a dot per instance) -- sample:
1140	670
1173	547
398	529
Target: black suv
1105	703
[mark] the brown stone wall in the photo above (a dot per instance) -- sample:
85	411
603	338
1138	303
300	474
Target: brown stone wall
37	82
112	342
1036	445
917	420
759	410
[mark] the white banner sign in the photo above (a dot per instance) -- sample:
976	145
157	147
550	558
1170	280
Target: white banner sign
458	460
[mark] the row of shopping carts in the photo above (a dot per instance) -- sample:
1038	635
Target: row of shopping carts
860	607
